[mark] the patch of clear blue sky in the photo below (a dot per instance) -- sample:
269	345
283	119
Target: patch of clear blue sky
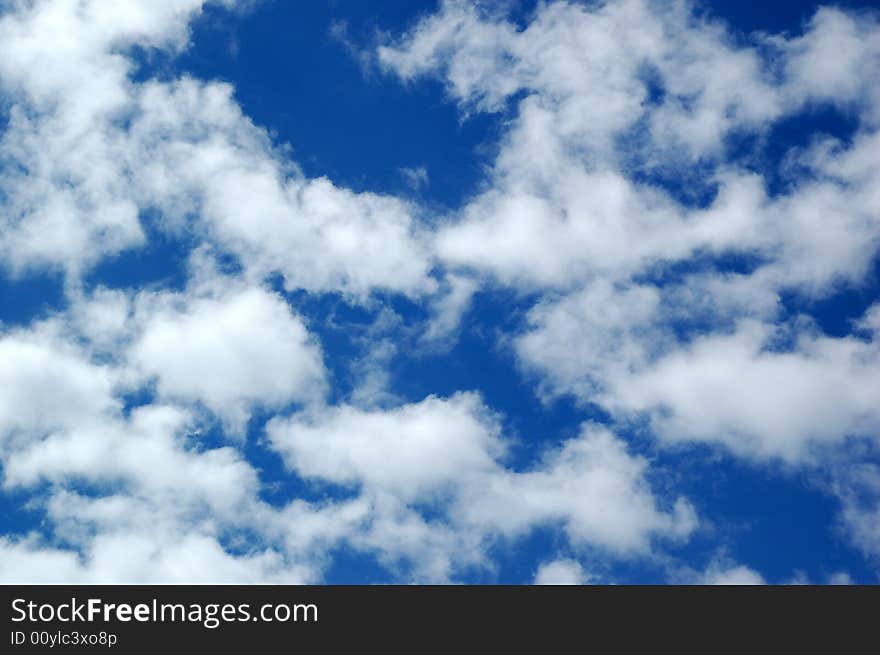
292	76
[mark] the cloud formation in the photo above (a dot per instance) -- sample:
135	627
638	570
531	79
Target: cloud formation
669	280
645	311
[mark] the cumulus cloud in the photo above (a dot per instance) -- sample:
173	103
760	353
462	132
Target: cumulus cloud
857	486
88	154
561	572
568	211
37	361
93	162
449	454
763	402
660	303
156	499
241	349
449	307
565	205
730	574
655	264
739	388
65	191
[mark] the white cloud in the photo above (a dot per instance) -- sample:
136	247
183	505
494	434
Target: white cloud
561	572
640	312
448	307
760	402
88	151
829	60
578	341
448	453
563	206
563	211
416	177
64	182
412	452
231	352
25	562
93	162
198	155
857	486
840	578
726	573
160	495
594	487
158	503
47	386
141	559
739	387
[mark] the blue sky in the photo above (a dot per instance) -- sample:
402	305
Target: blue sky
440	292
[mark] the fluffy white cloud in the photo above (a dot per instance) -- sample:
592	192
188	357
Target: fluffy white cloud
638	311
231	352
592	66
92	162
161	506
857	486
745	388
561	572
158	503
412	452
564	205
725	573
636	85
204	157
145	452
449	307
141	559
65	186
448	454
642	311
88	153
840	578
47	386
735	390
